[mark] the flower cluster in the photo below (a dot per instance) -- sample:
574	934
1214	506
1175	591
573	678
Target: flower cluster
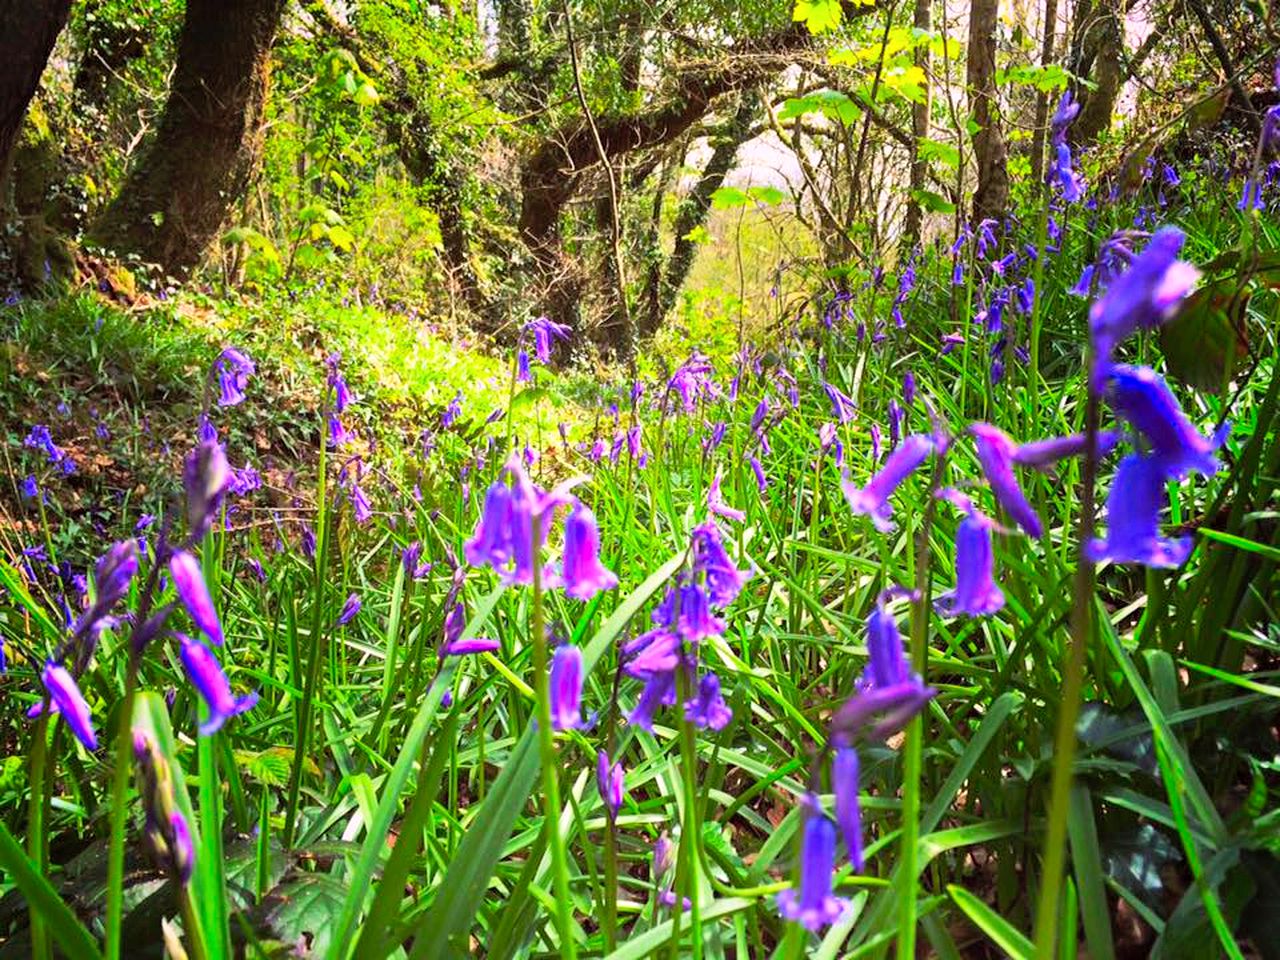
685	617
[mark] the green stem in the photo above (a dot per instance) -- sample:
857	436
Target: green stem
119	812
547	750
35	831
309	693
687	880
1064	749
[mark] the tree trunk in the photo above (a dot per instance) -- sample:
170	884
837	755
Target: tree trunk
919	131
1102	60
693	210
28	29
991	198
1039	133
198	164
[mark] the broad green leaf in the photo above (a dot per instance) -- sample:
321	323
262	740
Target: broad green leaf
60	921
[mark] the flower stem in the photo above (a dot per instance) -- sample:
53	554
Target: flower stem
36	828
1064	748
687	880
547	751
119	812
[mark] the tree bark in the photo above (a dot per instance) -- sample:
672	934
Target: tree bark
693	210
919	131
1039	133
197	166
991	198
1102	59
28	29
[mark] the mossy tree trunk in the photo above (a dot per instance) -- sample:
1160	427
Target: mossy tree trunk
28	30
178	194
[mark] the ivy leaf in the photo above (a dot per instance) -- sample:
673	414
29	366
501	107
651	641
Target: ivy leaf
817	15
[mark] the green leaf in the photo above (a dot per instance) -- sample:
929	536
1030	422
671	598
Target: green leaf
817	15
1207	339
933	202
832	104
1000	931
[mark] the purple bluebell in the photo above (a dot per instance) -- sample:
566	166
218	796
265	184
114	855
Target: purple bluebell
182	850
976	593
722	578
996	451
566	688
844	784
873	499
464	647
887	694
813	905
1043	454
1141	396
188	580
491	544
545	332
360	506
1133	518
205	674
659	691
762	482
908	388
233	369
760	415
842	405
451	412
205	476
523	373
609	781
707	710
30	489
895	422
349	610
1142	297
716	504
583	574
341	393
66	699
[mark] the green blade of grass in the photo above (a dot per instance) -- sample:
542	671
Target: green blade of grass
999	930
64	926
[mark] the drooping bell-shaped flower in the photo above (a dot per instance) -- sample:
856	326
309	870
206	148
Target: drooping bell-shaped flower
523	373
566	688
1141	396
491	544
842	405
188	580
873	499
584	575
349	610
844	784
659	691
653	652
1043	454
976	593
609	781
813	905
545	332
886	664
716	504
1133	518
1142	297
66	699
996	451
696	621
723	579
762	481
205	476
205	674
887	694
707	710
234	370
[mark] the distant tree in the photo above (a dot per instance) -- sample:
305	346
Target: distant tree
28	29
197	165
991	198
920	110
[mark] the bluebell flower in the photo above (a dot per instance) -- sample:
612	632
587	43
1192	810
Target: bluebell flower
842	405
976	593
1133	518
996	451
233	369
205	476
1141	397
659	691
813	905
762	482
716	504
844	784
545	332
66	700
205	674
888	693
348	611
188	579
723	579
30	489
708	710
566	688
609	781
583	574
873	499
523	373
